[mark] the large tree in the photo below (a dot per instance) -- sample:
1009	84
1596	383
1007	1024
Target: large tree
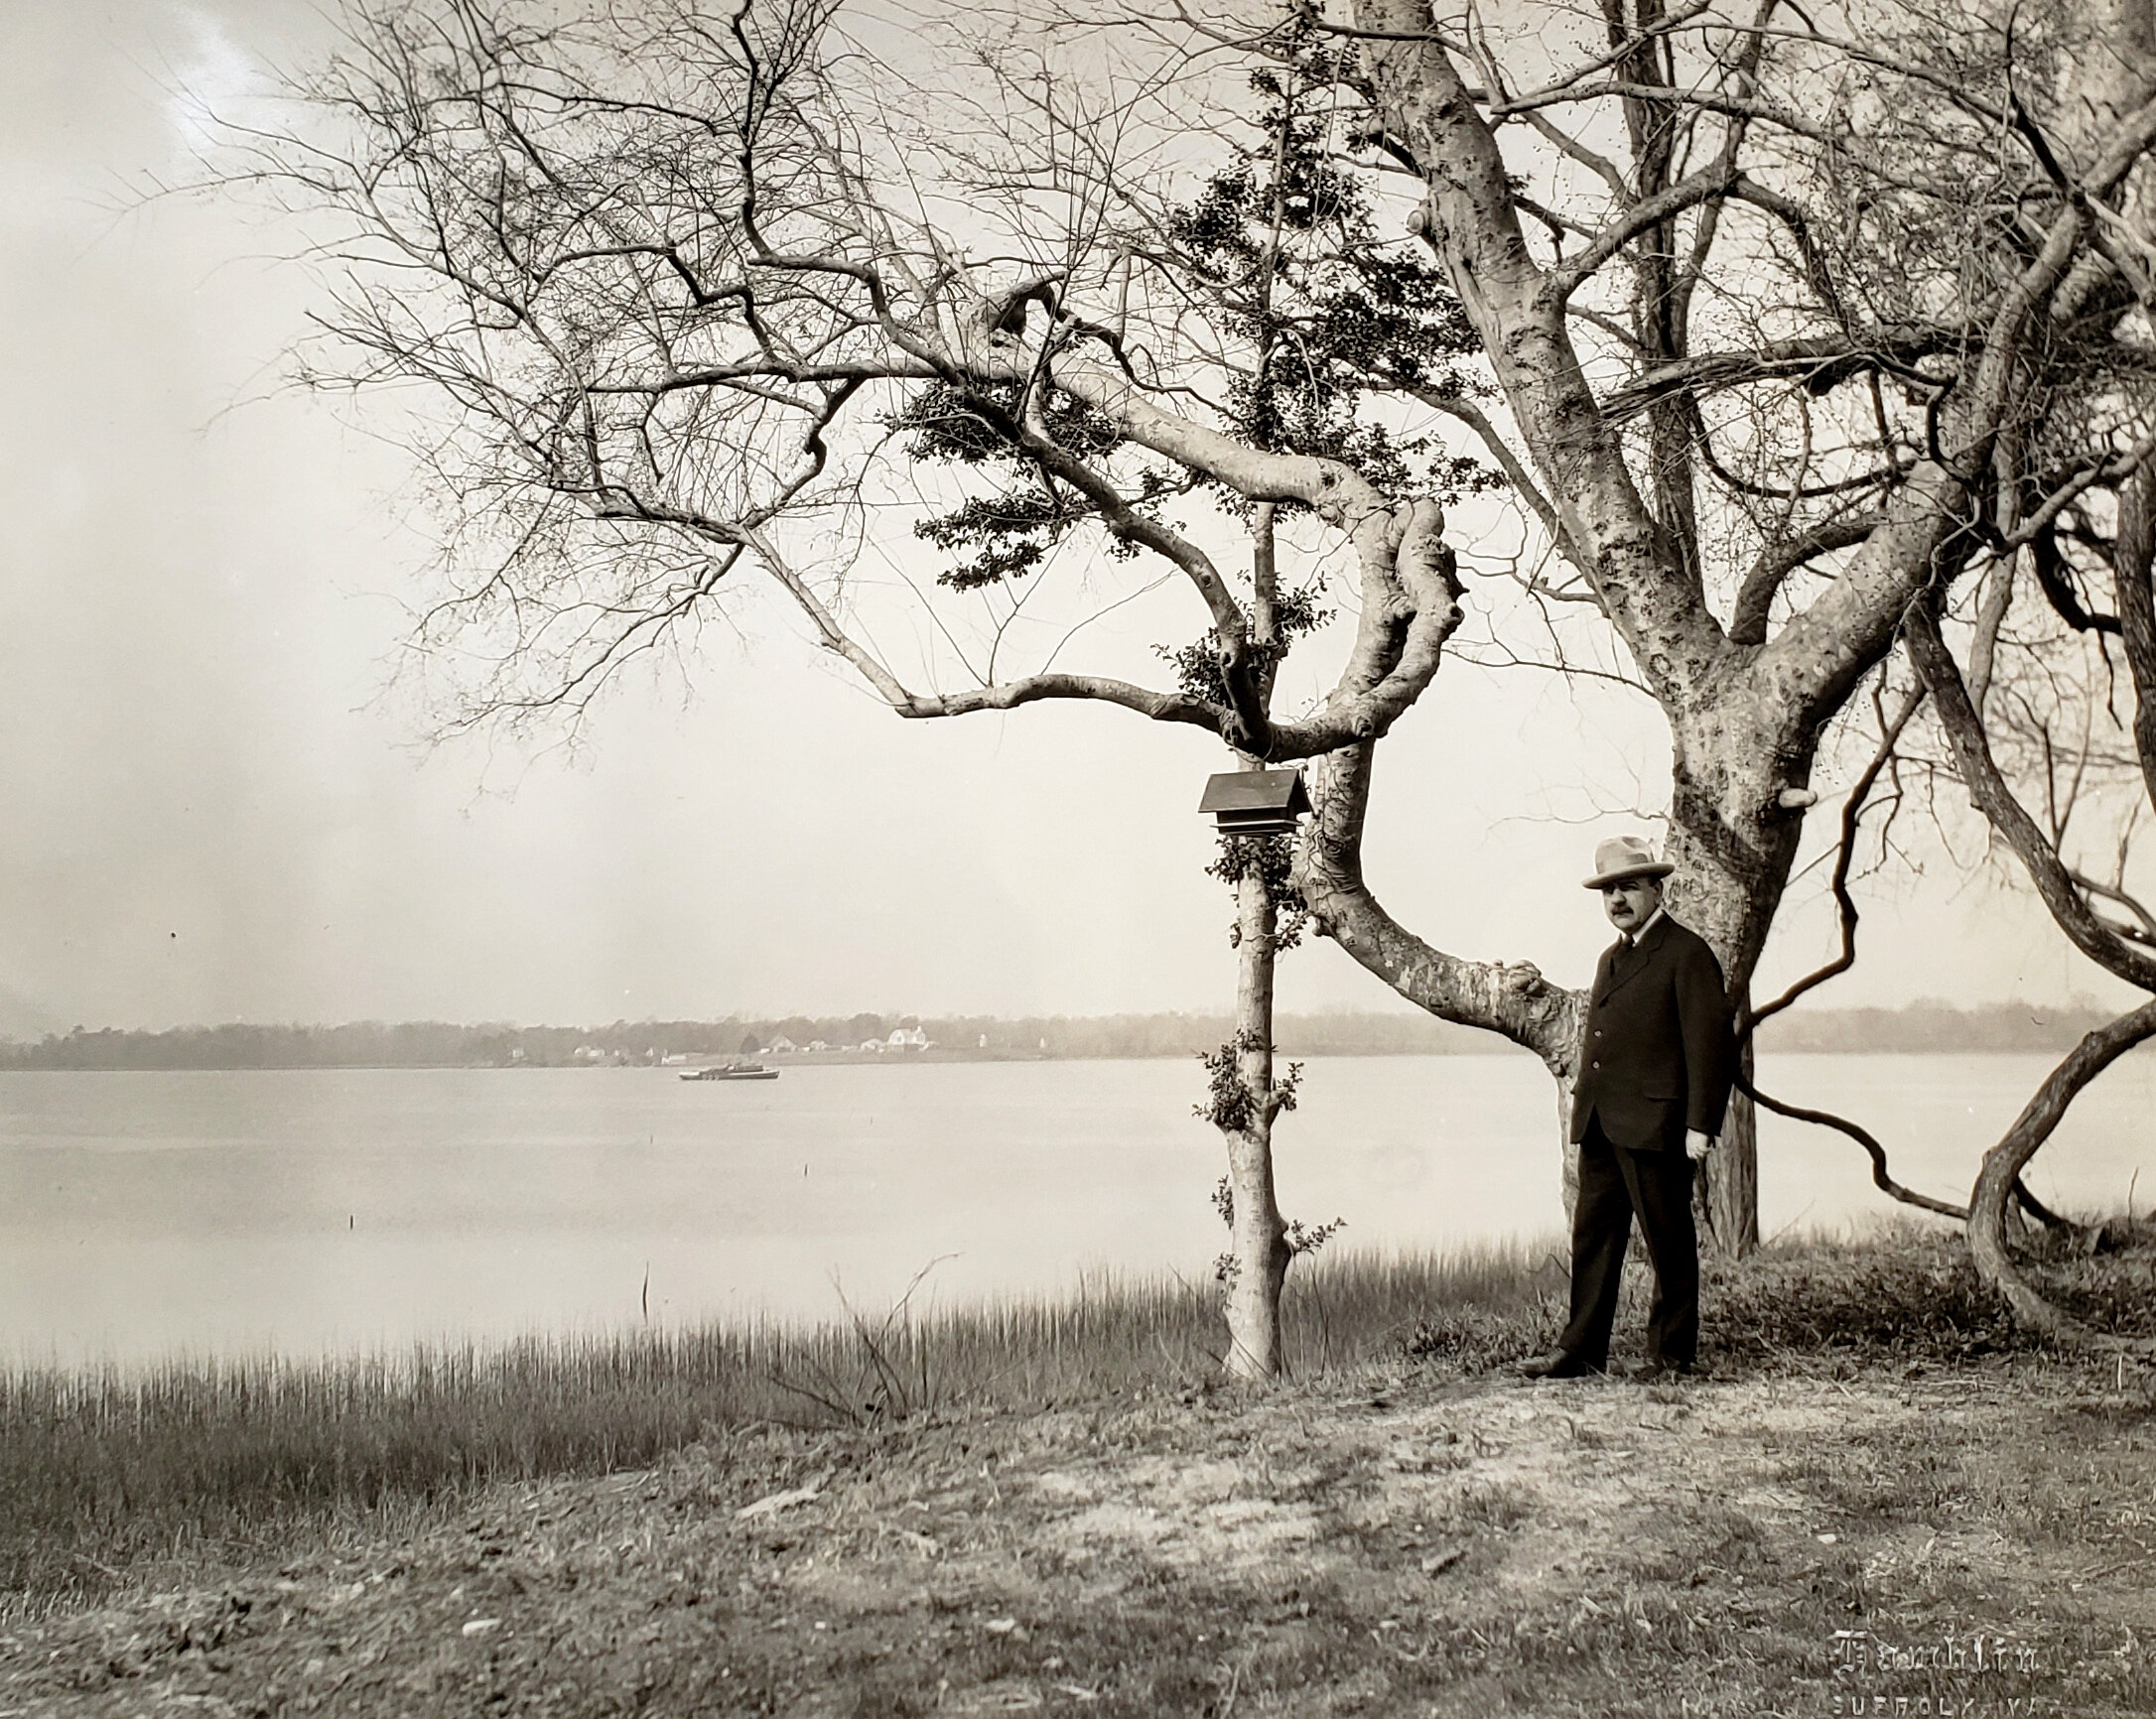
1770	341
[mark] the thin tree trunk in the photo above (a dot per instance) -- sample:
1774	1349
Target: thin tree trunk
1258	1250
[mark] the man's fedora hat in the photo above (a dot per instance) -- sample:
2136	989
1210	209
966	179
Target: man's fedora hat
1623	856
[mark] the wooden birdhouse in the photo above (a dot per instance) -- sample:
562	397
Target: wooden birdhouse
1256	802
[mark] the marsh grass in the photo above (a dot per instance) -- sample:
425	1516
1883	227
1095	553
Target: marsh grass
102	1467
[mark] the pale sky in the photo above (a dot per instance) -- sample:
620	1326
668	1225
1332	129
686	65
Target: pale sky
211	814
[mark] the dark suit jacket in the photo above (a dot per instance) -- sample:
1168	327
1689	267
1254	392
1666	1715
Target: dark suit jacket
1657	1058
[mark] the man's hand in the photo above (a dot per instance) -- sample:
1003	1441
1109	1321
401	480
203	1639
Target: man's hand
1696	1144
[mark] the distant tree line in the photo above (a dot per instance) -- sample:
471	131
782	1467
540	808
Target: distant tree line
1917	1028
1930	1026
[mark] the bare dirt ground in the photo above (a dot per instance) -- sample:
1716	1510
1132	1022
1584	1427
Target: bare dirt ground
1909	1542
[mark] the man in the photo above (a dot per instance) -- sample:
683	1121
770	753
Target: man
1654	1069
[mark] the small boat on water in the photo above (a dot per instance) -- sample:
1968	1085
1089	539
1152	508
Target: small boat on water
732	1071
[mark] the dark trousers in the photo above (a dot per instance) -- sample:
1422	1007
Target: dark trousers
1614	1185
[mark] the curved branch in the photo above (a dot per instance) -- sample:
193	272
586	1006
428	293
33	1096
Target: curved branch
1410	593
1828	645
1231	626
2001	1174
1002	363
2112	470
1820	361
1989	792
1642	218
1570	146
2044	1215
1624	50
1411	608
831	636
1031	688
2051	570
1159	707
1330	487
1791	214
1513	999
1880	1178
1707	101
1853	814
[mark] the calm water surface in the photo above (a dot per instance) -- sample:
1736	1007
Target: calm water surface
311	1210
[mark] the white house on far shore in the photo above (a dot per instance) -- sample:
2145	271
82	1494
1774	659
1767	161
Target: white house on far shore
906	1038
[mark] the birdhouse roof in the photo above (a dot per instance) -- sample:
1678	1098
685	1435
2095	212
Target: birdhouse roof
1255	791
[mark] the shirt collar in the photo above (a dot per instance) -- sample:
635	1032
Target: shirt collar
1653	919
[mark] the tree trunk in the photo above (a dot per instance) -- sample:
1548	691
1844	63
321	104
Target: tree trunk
1727	1192
1257	1252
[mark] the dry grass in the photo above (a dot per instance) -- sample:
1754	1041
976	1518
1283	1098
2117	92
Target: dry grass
98	1468
1383	1544
1907	1293
101	1468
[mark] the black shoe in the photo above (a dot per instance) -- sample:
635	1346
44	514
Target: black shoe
1558	1365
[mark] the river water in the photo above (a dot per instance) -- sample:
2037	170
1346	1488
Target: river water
322	1210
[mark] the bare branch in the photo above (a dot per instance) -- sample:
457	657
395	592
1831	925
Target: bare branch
1645	216
1881	1177
1511	999
1991	795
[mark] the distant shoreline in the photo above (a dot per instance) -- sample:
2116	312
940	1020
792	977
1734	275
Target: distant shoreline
1915	1029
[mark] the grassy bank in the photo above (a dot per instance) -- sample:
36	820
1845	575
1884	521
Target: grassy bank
101	1470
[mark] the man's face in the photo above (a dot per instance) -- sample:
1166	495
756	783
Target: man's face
1631	903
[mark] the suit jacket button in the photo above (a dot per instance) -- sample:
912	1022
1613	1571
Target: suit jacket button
1594	1065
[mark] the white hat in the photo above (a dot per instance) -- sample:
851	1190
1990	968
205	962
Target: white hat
1623	856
